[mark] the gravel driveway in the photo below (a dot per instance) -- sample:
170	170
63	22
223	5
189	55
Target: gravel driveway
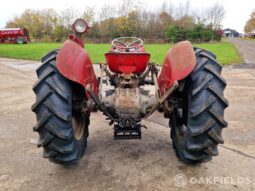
246	48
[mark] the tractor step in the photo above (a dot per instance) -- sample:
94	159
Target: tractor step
127	133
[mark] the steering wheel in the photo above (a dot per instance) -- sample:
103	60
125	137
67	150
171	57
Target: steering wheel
127	43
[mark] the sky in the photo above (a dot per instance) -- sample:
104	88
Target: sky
237	12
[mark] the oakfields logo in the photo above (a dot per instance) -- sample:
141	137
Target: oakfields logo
181	180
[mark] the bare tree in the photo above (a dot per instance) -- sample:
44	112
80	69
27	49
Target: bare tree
106	12
214	15
125	7
182	10
88	14
69	15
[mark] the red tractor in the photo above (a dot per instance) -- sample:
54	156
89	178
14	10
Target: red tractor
188	90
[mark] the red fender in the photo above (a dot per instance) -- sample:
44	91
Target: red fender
179	63
74	63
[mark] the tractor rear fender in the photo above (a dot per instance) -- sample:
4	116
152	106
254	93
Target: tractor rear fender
74	63
179	63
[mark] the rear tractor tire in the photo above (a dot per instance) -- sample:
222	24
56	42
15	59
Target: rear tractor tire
63	130
197	122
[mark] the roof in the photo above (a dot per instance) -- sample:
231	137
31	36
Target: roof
11	29
230	30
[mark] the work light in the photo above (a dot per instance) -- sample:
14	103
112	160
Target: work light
80	26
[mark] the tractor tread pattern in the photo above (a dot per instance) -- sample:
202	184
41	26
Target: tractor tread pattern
205	112
54	114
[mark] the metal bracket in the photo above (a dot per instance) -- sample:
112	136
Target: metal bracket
99	104
163	98
108	73
127	133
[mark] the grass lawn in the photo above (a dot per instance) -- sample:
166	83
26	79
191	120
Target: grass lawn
226	53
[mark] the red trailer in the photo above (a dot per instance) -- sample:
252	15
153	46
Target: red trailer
14	35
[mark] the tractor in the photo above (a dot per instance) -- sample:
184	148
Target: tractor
188	90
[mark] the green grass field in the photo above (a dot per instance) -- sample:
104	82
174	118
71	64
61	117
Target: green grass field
226	53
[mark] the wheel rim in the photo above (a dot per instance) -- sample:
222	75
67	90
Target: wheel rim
179	127
20	41
78	123
181	115
79	118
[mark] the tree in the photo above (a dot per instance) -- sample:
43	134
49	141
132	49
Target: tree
106	12
39	23
125	7
132	21
214	15
128	18
185	22
88	14
250	23
172	32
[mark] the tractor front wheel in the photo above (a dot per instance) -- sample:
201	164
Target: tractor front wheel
198	119
62	127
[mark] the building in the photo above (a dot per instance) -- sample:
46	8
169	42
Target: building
231	33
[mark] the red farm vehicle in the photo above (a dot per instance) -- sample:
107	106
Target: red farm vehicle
187	89
14	35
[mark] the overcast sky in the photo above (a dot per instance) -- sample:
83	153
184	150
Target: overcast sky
237	12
